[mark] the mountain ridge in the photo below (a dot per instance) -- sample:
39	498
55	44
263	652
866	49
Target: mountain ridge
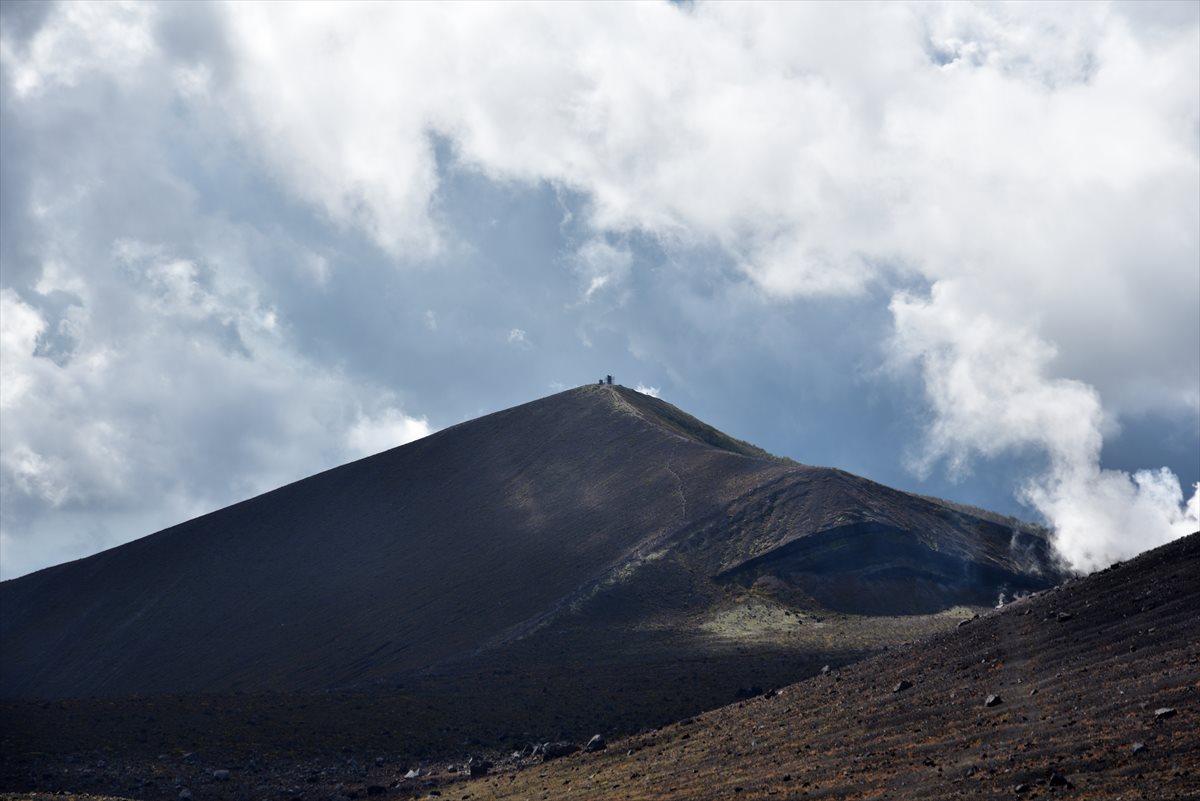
597	510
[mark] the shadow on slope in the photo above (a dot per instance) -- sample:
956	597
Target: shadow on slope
873	568
1087	690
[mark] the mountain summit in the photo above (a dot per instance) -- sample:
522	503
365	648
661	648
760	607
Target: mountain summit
595	521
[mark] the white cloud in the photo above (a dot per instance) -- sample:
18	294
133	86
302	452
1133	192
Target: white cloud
991	391
1045	155
117	35
517	336
1039	165
366	164
20	327
176	372
601	265
645	390
388	429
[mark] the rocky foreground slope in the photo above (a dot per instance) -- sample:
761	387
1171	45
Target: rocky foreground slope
1087	691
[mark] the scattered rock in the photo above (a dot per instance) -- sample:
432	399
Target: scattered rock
901	686
557	750
221	775
1058	780
415	773
1137	748
1022	788
597	743
1063	617
825	670
993	700
185	794
478	766
1163	713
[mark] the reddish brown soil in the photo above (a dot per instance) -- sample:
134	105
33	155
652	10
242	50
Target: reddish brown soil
1080	670
1077	694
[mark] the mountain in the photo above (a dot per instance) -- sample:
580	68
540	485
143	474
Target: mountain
597	560
1091	690
595	524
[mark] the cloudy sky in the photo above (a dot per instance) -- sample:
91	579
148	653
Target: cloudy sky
954	248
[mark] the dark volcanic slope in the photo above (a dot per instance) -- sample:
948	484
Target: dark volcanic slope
1098	683
594	510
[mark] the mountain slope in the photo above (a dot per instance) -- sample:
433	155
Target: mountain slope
597	513
1097	695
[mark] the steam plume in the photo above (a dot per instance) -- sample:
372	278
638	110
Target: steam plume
989	385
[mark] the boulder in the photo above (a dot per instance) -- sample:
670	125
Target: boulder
597	743
557	750
901	686
1058	780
